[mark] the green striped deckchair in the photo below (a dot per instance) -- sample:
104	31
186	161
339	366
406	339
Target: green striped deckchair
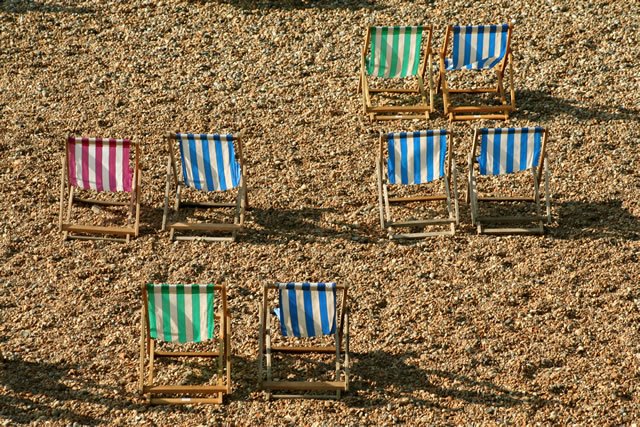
179	314
396	53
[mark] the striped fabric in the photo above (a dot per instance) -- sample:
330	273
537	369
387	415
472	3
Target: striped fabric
509	150
99	164
307	309
416	157
208	161
181	313
395	51
478	47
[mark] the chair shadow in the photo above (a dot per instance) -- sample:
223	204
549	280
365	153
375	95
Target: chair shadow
541	105
609	219
35	388
25	6
282	225
402	379
300	4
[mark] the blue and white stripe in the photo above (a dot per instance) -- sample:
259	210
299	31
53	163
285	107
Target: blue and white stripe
208	161
307	309
509	150
478	47
416	157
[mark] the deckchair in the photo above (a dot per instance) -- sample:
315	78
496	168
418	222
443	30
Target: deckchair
210	163
394	62
506	152
479	48
94	171
306	312
417	160
173	316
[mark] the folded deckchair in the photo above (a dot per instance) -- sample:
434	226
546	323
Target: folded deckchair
394	62
479	48
307	312
174	316
210	163
507	153
97	171
418	160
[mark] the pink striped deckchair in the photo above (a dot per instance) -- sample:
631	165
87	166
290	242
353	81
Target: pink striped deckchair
91	167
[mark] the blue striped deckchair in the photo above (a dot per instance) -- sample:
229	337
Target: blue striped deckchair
479	47
416	158
507	152
210	163
306	310
180	314
395	54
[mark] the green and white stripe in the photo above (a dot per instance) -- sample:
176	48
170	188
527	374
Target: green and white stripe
395	51
182	313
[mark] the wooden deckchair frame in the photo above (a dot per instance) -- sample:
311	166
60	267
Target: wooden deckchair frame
491	224
332	389
392	112
385	199
158	394
241	203
94	232
474	112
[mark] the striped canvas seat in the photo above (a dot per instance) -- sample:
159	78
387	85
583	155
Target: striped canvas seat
209	161
180	313
100	164
175	314
509	150
477	47
394	51
416	157
307	309
505	151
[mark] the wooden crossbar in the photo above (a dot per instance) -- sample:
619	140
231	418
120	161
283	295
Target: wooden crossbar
205	227
305	385
175	389
417	198
101	202
511	219
399	108
310	349
416	90
160	353
475	90
95	229
506	199
184	400
514	230
402	236
420	222
480	109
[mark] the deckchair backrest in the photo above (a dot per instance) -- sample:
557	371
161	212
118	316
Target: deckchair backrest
180	313
478	47
509	150
307	309
209	161
100	164
394	51
416	157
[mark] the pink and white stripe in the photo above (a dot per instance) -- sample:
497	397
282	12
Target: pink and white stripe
100	164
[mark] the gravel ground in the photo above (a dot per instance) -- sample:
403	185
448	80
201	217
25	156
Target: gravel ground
451	330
